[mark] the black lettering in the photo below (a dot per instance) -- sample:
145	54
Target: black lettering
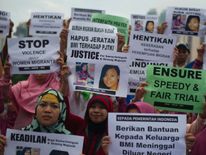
21	44
45	42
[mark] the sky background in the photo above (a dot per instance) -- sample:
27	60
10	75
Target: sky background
21	9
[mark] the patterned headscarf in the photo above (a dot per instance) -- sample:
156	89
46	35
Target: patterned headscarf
59	126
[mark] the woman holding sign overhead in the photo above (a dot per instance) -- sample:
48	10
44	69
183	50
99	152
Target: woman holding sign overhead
23	95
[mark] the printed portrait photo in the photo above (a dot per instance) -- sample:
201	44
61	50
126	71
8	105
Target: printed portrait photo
85	74
20	150
178	22
193	23
138	25
109	78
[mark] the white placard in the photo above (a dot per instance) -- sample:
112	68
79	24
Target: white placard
42	143
144	23
46	24
153	47
137	73
92	36
83	14
4	23
147	134
33	55
106	72
186	21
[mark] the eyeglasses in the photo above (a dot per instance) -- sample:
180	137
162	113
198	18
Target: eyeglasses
52	105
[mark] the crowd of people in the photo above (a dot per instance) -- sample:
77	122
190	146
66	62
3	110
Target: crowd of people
42	102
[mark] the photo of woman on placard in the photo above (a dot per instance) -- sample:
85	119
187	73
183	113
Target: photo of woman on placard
178	21
193	23
109	78
149	26
138	25
84	72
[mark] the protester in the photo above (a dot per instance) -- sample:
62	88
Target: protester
109	78
23	94
4	52
49	117
95	128
182	56
7	110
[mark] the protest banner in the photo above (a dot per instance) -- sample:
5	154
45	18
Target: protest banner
175	89
83	14
147	48
154	47
137	72
144	23
42	143
90	49
185	21
33	55
121	23
92	36
101	72
46	24
4	23
147	134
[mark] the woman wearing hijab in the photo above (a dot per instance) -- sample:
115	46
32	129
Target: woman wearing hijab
95	127
49	117
140	107
25	93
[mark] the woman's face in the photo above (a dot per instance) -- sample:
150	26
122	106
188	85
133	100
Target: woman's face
194	24
27	152
41	78
48	112
182	55
150	27
178	17
111	79
84	68
97	113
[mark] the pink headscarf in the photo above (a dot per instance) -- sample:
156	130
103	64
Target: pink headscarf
143	107
199	146
26	92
